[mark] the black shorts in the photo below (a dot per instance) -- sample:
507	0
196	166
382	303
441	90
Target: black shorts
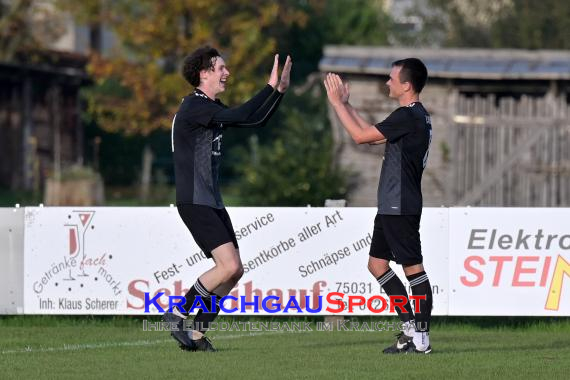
397	238
210	227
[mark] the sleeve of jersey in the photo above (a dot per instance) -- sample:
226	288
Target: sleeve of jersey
260	117
396	125
247	113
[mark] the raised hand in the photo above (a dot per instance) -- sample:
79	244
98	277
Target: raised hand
274	76
285	76
345	93
337	92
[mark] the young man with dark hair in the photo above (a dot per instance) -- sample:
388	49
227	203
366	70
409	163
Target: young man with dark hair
407	133
196	145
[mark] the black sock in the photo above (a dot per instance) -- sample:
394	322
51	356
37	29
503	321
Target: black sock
421	287
196	290
393	286
202	321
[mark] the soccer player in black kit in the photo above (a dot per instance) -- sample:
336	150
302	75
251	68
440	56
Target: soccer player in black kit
407	133
197	148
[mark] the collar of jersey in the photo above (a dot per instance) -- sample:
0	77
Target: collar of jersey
200	93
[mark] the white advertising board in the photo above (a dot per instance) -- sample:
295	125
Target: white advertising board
509	261
104	260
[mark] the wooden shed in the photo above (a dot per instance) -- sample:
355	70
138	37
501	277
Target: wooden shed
40	125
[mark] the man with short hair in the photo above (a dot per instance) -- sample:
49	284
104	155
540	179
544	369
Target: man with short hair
407	133
196	145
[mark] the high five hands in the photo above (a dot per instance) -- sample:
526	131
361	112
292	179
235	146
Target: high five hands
337	92
283	84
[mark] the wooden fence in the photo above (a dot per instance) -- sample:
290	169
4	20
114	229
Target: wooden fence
511	152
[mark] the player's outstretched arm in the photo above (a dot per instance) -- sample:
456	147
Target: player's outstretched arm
337	94
264	113
257	111
359	119
260	117
344	96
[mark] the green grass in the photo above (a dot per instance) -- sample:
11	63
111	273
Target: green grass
116	347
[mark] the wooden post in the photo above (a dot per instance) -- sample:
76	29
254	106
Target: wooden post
146	173
27	131
79	132
56	128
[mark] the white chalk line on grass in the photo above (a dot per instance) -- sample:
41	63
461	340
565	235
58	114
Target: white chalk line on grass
136	343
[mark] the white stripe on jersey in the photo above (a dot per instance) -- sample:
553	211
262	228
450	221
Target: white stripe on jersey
424	161
172	133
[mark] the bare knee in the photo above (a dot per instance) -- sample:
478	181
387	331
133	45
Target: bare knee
370	268
228	263
237	272
233	271
378	267
413	269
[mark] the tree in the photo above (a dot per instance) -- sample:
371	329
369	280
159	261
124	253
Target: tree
297	167
533	25
338	22
138	86
523	24
26	26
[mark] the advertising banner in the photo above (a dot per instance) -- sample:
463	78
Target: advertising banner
509	261
109	260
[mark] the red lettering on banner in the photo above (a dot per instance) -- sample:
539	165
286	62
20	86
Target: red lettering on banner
474	265
300	294
137	293
398	301
276	293
178	290
250	293
138	288
300	297
382	301
499	269
470	269
338	302
317	287
520	270
352	302
159	301
545	271
416	300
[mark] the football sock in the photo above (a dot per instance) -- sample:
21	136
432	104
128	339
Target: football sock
420	285
195	290
203	319
393	286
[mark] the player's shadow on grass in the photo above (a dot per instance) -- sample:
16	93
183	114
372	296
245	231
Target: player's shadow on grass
448	345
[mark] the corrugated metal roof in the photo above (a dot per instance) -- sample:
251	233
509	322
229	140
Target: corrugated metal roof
452	63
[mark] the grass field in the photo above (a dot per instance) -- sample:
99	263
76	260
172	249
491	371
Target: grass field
117	347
